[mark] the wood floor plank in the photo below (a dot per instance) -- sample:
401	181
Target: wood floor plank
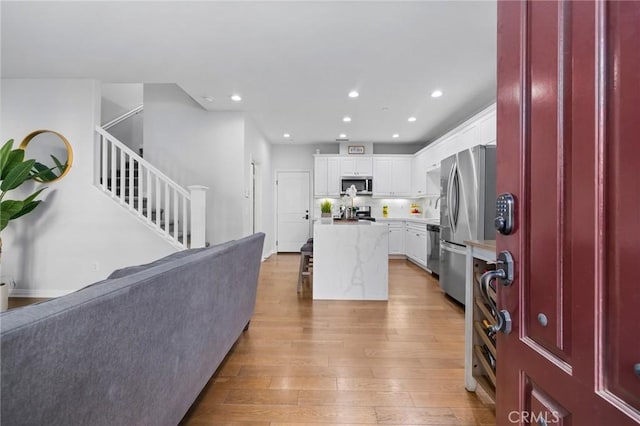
304	383
289	413
356	398
294	371
417	373
319	363
451	400
416	416
262	397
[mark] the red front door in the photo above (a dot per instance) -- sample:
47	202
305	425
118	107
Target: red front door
569	151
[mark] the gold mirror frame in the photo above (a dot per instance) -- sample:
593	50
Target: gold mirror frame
30	136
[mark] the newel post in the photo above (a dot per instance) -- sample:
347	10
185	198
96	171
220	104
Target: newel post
198	194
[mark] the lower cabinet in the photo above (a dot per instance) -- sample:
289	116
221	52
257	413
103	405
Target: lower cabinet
416	242
396	238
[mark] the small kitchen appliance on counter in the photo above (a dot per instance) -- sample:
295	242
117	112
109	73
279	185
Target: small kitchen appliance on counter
364	213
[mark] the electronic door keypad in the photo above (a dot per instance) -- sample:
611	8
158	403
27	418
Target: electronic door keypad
505	212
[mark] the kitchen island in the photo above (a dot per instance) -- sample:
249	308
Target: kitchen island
350	261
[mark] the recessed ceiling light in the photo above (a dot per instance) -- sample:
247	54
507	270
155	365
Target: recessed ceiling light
436	93
236	98
346	119
353	94
287	135
395	136
208	98
342	135
411	119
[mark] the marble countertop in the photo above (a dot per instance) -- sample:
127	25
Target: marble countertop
337	222
483	244
429	221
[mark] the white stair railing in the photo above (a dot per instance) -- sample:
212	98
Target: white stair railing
163	205
121	118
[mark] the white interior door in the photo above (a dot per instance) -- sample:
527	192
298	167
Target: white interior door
293	210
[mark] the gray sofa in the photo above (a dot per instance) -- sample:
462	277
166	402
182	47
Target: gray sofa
134	349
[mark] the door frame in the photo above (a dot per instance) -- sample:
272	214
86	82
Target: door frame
275	201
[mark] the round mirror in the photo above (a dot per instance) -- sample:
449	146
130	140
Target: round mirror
52	152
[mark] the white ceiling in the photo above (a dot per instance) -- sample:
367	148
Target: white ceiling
293	62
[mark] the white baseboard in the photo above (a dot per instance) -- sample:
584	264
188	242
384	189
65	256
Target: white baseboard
38	293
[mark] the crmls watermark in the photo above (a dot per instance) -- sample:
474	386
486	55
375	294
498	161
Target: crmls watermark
541	418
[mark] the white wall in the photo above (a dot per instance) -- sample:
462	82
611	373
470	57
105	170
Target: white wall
258	150
198	147
298	157
77	235
397	148
118	99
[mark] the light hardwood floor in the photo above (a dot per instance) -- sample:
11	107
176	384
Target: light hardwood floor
305	362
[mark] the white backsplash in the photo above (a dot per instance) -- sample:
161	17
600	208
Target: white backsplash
398	207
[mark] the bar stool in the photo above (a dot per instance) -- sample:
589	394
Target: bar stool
306	262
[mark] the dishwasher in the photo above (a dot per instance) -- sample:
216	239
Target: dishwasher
433	259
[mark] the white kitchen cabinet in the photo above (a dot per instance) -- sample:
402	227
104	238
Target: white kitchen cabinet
362	166
487	130
392	176
416	242
433	182
396	237
326	177
418	170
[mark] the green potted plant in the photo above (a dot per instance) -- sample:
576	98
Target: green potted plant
325	210
15	171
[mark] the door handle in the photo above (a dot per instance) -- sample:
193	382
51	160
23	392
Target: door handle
503	274
306	216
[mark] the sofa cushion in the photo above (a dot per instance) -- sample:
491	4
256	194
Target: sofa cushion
123	272
129	270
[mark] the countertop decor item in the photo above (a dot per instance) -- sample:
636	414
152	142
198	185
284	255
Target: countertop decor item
325	211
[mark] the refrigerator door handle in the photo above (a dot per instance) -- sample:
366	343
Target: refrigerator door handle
456	195
450	198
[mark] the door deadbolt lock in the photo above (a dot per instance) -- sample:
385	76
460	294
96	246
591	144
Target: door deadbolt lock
505	213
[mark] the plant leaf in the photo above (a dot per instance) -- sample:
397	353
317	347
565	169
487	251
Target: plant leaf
14	158
26	208
8	209
61	166
17	175
33	196
4	154
43	172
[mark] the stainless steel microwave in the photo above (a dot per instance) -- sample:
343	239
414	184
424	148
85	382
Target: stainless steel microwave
364	185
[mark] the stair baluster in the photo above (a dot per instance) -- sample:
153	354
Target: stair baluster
176	213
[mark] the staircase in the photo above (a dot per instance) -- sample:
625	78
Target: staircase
176	213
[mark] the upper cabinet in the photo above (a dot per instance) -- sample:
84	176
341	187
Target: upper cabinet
392	176
405	175
418	174
356	166
487	130
326	176
478	130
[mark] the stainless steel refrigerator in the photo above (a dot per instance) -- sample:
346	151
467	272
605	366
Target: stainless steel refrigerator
468	196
